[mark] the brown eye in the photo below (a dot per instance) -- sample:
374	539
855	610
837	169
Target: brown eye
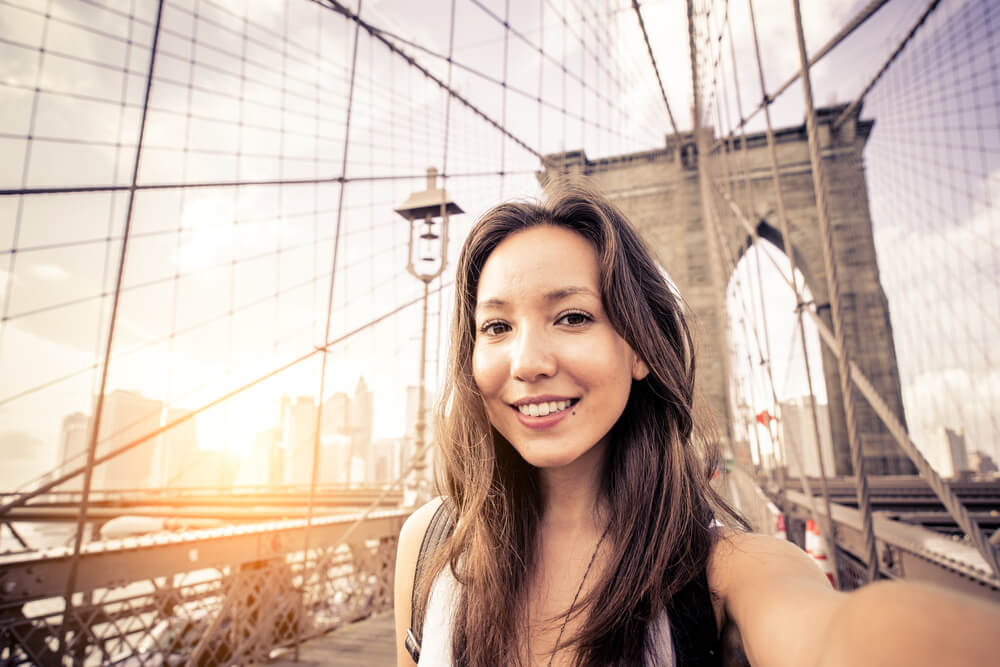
575	319
494	328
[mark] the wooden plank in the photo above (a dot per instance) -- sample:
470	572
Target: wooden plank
368	642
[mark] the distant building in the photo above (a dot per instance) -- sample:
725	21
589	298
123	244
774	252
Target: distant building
128	416
73	448
360	419
982	463
797	431
177	445
336	412
956	457
335	459
357	476
412	399
208	467
389	458
298	428
265	464
276	459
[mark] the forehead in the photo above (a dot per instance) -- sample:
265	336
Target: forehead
536	261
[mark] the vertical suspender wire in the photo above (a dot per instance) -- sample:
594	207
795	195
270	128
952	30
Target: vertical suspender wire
833	286
744	148
789	253
753	393
715	253
329	317
503	105
722	100
717	229
422	389
583	77
88	474
564	148
722	114
541	70
766	356
729	256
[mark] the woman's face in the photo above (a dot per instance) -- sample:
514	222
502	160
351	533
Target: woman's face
553	372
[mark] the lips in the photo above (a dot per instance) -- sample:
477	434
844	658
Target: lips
544	408
543	411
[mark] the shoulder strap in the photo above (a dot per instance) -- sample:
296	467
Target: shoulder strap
692	624
438	531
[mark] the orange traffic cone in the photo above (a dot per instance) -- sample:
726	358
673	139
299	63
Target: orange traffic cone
817	550
779	527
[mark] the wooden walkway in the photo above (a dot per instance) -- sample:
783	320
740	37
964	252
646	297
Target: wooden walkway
368	643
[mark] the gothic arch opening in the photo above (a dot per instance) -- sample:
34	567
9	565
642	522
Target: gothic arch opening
769	387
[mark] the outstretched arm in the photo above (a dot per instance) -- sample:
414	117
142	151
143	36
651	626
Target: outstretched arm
789	615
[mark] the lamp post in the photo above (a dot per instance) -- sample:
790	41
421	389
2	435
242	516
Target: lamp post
427	260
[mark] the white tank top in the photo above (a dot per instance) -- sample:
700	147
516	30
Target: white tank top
435	645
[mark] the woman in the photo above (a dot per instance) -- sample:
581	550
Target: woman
578	474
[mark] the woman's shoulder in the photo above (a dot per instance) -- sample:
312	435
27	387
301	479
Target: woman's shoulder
410	537
739	557
412	532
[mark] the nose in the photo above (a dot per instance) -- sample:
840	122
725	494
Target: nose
532	357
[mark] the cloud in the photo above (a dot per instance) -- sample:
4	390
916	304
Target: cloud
50	272
962	399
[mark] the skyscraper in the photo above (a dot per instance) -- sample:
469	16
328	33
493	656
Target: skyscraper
955	453
128	416
73	448
336	413
360	423
178	445
298	427
412	398
265	464
335	459
797	431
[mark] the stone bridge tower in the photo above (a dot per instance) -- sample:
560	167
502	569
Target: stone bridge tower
661	195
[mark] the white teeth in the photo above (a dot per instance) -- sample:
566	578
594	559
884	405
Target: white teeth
543	409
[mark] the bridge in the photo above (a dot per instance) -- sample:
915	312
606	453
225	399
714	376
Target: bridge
225	270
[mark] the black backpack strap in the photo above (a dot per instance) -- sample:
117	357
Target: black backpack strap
438	530
692	625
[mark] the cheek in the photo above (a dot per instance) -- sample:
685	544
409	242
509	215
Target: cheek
483	372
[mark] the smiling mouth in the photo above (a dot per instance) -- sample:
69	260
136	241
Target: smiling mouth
545	408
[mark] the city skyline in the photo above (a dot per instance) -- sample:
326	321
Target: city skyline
280	453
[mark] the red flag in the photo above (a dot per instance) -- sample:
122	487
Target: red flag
765	417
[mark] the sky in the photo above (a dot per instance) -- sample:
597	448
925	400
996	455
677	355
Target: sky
222	285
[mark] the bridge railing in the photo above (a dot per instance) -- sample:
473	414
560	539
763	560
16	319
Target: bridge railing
904	550
228	595
763	515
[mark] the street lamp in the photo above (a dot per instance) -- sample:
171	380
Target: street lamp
431	249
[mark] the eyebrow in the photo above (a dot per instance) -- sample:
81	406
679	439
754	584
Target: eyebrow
552	296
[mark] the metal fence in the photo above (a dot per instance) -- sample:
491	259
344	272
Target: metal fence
222	596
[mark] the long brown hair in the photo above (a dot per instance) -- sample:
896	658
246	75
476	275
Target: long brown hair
655	477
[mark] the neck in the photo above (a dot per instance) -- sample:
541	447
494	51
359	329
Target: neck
572	493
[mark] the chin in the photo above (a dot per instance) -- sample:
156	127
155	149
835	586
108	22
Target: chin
550	455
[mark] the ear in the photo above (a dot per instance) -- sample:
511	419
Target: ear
639	368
